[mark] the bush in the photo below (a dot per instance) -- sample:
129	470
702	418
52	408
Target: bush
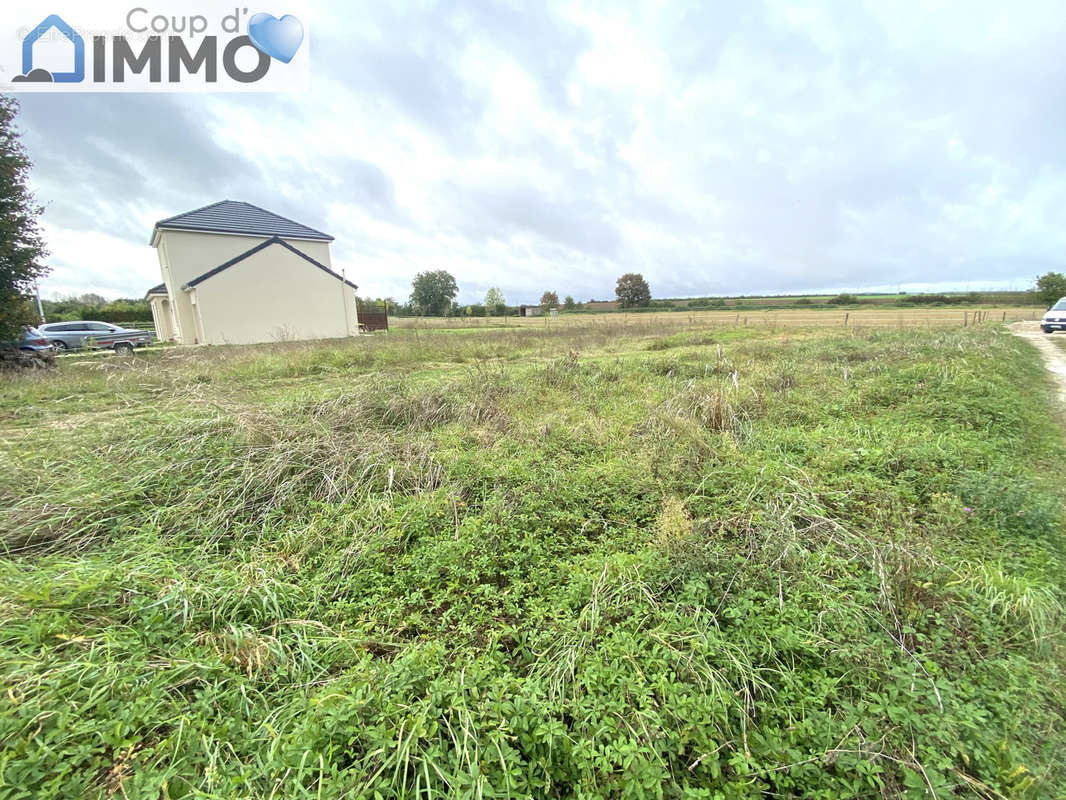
929	299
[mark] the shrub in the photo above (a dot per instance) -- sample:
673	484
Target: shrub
844	299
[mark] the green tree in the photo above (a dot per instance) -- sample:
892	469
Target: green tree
549	300
22	249
432	293
1050	287
632	290
568	303
494	302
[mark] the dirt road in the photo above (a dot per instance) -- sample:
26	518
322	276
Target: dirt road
1054	356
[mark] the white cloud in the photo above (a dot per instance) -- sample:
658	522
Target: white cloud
91	261
732	147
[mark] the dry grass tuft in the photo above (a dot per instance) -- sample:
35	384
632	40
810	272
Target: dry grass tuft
674	526
718	409
250	651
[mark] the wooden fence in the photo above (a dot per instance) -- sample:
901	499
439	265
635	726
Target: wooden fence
371	319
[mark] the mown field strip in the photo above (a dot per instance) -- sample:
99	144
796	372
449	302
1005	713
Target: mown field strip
907	318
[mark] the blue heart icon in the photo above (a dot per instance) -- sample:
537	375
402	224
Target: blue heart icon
278	38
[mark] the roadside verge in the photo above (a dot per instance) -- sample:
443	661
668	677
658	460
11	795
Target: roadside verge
1054	357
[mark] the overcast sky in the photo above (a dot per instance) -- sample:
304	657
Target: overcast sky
716	147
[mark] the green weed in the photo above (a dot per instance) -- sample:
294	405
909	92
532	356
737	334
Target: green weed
625	559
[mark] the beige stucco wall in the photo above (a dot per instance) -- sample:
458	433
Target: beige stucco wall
162	317
273	296
185	255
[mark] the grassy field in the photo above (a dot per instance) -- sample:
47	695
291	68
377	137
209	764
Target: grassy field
622	558
652	322
903	301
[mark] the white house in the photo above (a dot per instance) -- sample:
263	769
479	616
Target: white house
234	273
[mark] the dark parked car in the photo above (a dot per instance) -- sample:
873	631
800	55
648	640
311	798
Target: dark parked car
1055	318
95	336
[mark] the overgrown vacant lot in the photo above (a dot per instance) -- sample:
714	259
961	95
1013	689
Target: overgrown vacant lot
538	563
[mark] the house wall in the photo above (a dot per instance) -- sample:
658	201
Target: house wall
274	295
163	318
185	255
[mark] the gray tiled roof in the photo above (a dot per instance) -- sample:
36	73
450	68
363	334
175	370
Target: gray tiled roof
233	216
160	289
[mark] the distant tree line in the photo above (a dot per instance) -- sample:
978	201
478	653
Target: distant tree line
433	294
95	307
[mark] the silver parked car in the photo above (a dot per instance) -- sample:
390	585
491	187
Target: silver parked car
94	335
32	345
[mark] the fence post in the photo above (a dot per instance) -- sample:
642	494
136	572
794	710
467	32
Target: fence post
1004	316
846	315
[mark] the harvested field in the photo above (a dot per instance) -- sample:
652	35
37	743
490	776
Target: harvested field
674	320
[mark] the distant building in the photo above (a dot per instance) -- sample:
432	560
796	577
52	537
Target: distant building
234	273
530	311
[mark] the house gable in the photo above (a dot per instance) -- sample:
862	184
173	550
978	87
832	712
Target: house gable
276	240
273	292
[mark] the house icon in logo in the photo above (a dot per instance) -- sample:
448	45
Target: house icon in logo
32	75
